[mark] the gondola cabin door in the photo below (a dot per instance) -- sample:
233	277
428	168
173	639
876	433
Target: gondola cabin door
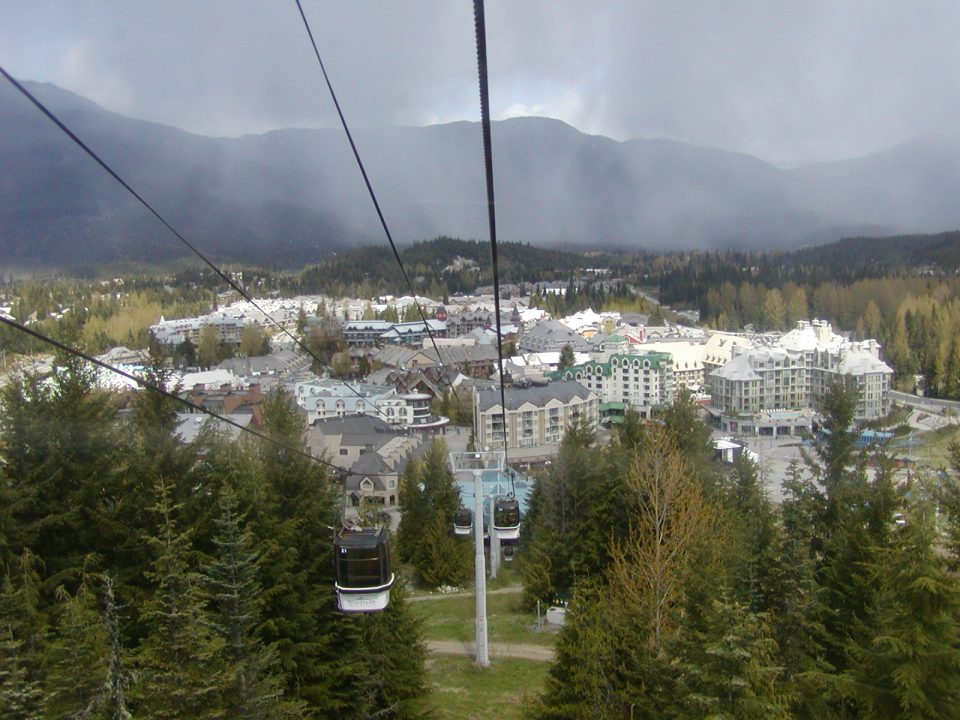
364	577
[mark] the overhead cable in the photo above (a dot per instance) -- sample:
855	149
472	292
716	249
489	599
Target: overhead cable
481	35
376	204
230	281
147	385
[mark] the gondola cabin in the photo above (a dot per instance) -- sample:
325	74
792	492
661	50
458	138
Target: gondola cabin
364	578
506	518
463	521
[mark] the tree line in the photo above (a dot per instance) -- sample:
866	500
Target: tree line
145	577
694	596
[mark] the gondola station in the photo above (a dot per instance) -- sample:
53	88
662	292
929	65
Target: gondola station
364	578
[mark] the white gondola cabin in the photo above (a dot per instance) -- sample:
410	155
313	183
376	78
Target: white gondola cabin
463	521
506	518
364	577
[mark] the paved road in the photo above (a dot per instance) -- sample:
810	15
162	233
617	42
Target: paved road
509	590
924	402
540	653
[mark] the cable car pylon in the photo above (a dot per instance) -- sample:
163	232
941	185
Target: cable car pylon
477	463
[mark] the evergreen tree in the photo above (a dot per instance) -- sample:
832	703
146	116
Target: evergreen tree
751	535
730	668
254	688
302	322
691	435
78	658
603	668
117	674
948	497
565	527
63	450
908	665
291	510
429	499
181	668
567	358
21	643
394	654
656	318
796	606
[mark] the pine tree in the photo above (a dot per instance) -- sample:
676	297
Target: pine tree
64	451
691	436
118	678
730	668
751	535
180	661
563	523
254	687
908	665
394	654
796	607
604	668
429	499
948	497
78	658
292	517
21	643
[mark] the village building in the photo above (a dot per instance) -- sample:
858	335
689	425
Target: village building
642	383
373	452
795	374
535	415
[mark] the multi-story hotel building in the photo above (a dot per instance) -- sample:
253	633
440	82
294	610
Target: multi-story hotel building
796	373
535	415
637	382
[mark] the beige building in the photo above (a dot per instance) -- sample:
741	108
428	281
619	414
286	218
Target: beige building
535	415
797	372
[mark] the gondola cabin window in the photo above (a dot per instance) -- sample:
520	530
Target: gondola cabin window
364	577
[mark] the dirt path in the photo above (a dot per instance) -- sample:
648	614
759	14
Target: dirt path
497	650
509	590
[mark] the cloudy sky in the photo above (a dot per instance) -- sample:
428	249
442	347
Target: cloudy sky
788	81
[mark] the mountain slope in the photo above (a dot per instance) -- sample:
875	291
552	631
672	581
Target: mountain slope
290	197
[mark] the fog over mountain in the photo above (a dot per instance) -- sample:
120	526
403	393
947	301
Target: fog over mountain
289	197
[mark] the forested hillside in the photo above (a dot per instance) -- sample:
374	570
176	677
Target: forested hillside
438	267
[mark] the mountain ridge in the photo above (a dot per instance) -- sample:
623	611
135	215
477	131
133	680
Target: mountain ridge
293	196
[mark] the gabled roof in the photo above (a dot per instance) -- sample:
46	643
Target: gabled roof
551	335
859	362
562	390
738	369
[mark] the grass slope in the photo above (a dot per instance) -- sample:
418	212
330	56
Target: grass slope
461	691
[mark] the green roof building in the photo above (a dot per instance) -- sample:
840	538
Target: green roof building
641	383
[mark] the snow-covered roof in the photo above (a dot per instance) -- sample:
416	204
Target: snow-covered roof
738	369
814	335
588	319
210	378
855	361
